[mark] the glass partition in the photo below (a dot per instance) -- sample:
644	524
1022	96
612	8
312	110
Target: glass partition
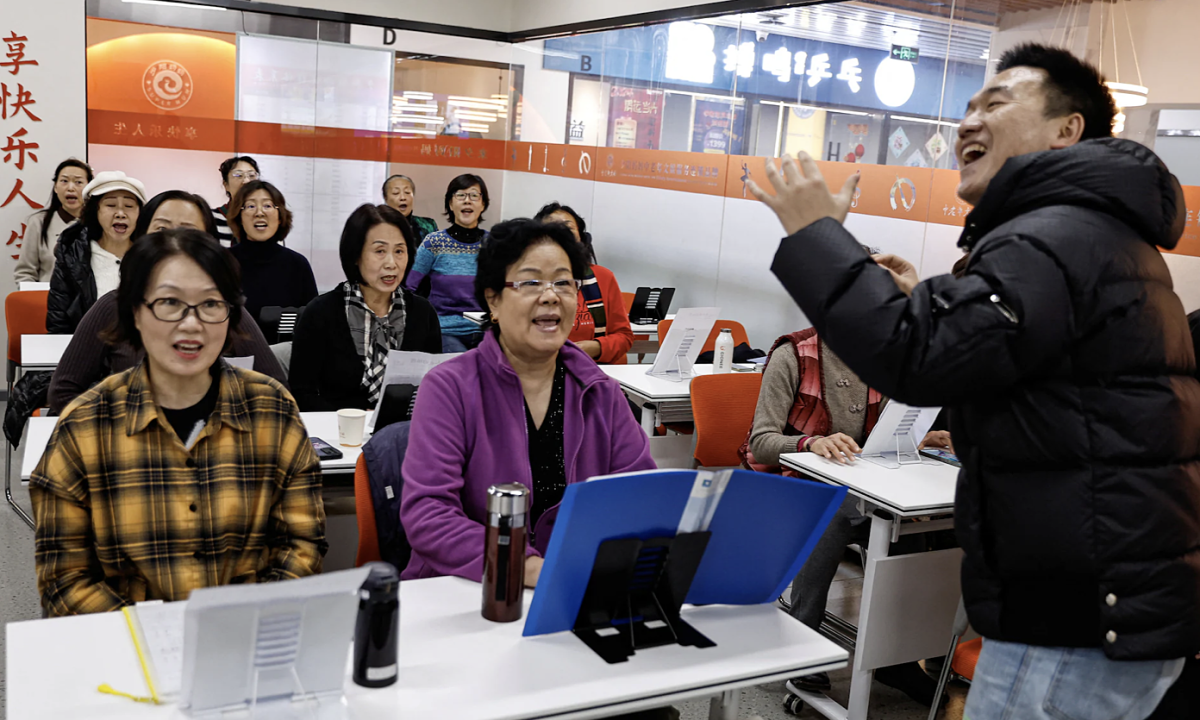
651	133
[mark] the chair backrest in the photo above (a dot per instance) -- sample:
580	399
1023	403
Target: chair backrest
723	409
739	333
364	509
24	314
278	323
627	298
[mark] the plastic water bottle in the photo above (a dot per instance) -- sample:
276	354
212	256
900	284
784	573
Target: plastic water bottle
723	352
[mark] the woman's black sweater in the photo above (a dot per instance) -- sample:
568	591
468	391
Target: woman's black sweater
326	370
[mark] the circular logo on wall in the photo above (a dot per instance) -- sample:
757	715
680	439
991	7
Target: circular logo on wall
167	85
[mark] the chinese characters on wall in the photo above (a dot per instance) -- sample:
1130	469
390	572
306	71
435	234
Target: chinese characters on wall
20	149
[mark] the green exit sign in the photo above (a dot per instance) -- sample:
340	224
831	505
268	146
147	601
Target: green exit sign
905	53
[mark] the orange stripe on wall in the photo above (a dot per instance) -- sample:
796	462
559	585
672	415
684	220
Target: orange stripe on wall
921	195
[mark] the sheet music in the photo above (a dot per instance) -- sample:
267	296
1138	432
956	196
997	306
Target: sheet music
161	627
406	367
678	351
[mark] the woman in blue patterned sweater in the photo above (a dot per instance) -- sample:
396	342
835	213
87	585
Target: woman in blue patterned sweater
444	270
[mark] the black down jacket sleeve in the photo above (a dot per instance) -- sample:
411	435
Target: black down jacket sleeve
1006	319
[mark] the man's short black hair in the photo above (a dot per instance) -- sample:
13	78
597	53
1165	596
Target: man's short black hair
354	237
508	241
1072	86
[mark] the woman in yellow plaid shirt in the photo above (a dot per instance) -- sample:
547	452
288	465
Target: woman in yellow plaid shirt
182	472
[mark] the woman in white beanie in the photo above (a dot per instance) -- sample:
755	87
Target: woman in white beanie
87	261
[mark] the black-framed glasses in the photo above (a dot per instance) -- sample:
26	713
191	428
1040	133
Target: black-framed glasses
172	310
534	288
464	196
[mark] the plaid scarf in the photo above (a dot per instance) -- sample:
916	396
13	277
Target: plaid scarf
594	302
374	336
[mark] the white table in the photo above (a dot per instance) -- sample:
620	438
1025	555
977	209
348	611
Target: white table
661	400
319	424
453	664
42	352
908	601
28	286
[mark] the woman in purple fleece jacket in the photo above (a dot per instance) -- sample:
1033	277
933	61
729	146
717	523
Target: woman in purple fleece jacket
525	406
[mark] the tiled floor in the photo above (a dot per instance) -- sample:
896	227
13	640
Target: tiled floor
19	601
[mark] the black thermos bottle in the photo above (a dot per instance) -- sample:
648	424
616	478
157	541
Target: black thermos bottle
377	631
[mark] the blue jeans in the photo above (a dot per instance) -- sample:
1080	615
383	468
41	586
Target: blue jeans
460	343
1027	682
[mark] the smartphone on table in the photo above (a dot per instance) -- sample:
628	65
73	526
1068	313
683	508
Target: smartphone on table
324	450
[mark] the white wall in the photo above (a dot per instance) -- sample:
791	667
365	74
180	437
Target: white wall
55	29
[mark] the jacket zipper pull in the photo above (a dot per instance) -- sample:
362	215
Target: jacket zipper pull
1005	310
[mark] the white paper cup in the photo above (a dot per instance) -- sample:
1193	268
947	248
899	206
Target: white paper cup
351	423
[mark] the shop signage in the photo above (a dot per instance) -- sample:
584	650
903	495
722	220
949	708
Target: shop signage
722	60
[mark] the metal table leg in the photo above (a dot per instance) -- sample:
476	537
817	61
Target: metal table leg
725	705
12	502
860	678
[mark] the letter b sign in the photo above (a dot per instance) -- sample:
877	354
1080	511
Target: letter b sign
585	63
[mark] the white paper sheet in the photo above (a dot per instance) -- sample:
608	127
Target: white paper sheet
899	431
161	627
219	643
405	367
677	352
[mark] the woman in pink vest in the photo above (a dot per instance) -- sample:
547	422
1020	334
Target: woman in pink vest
811	401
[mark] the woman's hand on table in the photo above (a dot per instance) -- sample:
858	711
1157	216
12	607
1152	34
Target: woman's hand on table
937	439
839	447
533	570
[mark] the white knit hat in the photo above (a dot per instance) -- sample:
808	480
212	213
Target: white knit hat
110	180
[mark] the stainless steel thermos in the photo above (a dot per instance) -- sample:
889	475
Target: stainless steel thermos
504	552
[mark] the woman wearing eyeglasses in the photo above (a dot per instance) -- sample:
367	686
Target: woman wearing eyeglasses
271	273
36	263
444	270
235	172
184	471
524	406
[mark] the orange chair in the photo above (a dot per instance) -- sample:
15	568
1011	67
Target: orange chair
739	333
723	410
24	314
364	509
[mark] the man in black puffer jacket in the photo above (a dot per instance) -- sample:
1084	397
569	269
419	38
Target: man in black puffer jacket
1066	357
